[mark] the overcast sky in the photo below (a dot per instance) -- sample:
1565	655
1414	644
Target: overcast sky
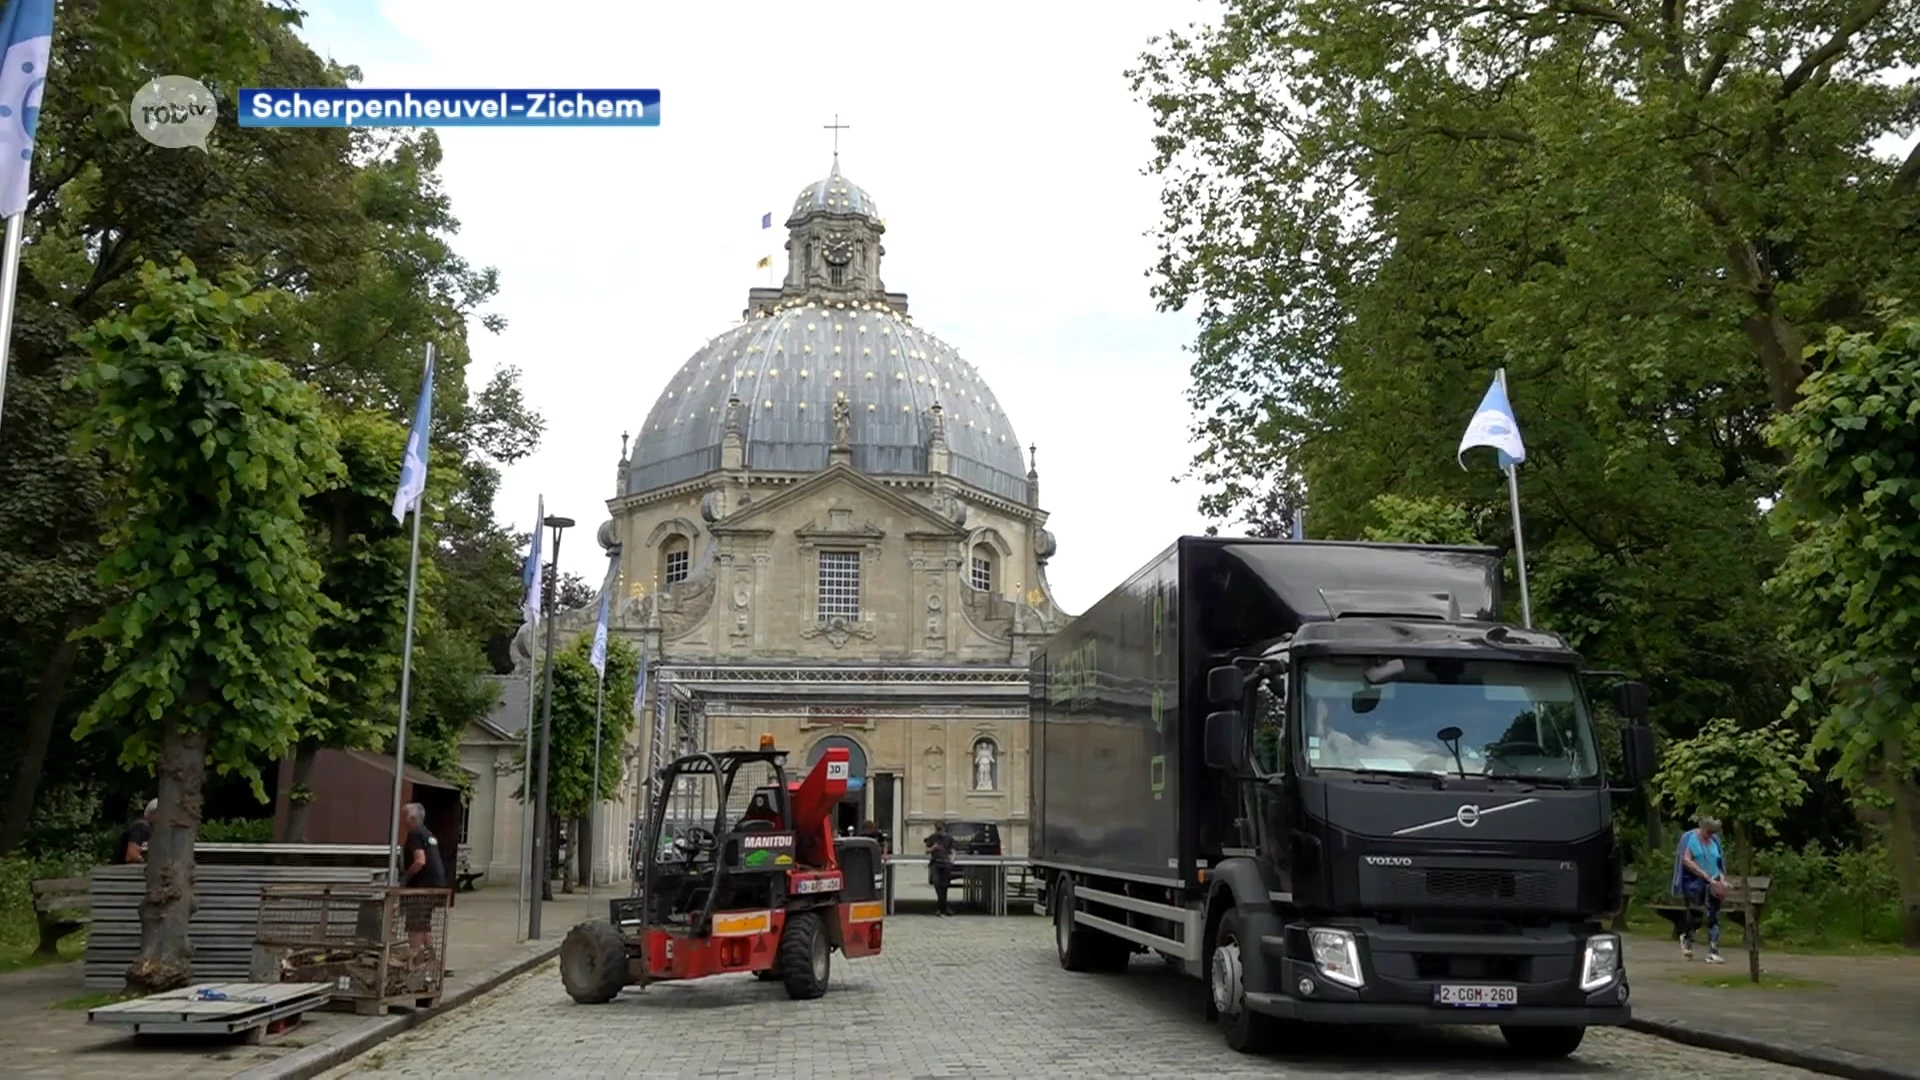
1000	141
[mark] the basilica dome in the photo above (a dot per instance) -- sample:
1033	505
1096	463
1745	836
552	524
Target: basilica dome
831	333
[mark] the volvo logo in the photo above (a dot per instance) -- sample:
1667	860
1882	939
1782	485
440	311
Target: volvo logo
1388	860
1465	817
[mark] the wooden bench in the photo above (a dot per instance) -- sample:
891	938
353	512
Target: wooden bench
465	876
1733	906
61	906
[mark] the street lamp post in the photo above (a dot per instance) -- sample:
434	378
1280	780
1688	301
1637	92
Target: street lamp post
557	524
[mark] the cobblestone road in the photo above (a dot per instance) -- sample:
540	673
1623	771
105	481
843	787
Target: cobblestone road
950	998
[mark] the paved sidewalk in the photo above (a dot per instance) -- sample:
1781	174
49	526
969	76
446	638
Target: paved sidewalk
1863	1021
38	1040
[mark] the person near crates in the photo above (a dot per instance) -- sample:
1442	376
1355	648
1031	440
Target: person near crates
136	836
422	869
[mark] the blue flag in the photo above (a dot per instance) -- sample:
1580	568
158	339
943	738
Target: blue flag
413	469
766	221
530	603
26	32
1493	425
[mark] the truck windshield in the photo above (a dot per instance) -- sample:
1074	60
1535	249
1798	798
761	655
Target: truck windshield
1505	719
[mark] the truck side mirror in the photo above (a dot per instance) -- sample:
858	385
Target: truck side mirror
1221	740
1225	685
1636	752
1630	700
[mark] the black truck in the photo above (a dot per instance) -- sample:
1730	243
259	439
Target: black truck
1326	778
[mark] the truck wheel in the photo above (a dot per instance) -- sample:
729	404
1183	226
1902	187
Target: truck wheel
805	959
593	962
1543	1043
1082	949
1244	1030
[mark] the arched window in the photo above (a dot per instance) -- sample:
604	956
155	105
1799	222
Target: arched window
980	570
856	757
986	764
676	560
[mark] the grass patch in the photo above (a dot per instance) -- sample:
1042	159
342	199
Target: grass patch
1740	981
93	1000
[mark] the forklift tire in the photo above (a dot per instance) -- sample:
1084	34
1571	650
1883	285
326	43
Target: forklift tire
593	962
1543	1043
805	959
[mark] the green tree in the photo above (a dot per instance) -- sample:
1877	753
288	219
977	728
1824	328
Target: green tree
210	642
1640	210
571	759
1405	520
1852	579
1746	778
364	557
350	227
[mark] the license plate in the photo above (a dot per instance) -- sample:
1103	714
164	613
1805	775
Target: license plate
1477	997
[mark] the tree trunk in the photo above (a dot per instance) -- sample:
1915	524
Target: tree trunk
166	952
47	696
1900	840
304	755
1745	844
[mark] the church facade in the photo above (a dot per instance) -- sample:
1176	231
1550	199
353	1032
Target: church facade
827	530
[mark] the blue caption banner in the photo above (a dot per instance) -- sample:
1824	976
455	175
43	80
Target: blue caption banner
329	107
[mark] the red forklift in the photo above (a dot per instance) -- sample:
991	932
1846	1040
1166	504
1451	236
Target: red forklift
771	893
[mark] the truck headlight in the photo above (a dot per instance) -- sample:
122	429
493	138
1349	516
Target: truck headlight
1600	963
1337	955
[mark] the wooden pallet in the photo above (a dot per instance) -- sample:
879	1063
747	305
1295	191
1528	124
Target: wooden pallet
250	1008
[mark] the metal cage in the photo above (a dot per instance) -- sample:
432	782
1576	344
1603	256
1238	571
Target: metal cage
376	945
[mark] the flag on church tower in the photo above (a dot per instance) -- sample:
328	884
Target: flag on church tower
766	220
765	262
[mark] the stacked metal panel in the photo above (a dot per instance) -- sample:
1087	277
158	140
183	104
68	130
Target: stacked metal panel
226	915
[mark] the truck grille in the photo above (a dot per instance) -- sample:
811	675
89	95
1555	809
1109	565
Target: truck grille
1470	889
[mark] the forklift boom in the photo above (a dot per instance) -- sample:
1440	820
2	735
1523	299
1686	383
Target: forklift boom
812	801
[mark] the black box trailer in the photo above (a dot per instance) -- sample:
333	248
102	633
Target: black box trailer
1326	777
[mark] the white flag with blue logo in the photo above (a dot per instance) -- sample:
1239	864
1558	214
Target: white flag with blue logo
531	600
598	658
640	689
1493	425
26	29
413	469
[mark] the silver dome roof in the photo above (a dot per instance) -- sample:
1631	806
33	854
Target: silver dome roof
834	195
789	365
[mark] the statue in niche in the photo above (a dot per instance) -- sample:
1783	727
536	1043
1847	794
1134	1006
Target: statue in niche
842	423
986	765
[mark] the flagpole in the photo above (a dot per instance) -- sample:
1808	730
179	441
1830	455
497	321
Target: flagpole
593	804
406	667
526	794
1519	542
9	284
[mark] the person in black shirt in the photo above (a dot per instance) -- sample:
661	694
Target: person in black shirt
940	865
136	836
421	868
